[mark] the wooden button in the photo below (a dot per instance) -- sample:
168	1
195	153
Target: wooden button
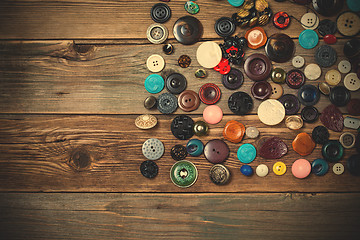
188	101
271	112
234	131
303	144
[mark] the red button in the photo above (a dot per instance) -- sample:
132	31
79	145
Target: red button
281	20
209	93
223	67
330	39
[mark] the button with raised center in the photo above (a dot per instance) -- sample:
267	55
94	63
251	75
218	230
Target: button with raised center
280	48
216	151
291	103
261	90
279	168
308	95
168	49
209	54
352	82
188	30
150	102
153	149
246	170
301	168
257	67
278	75
212	114
332	151
145	121
176	83
319	167
201	128
183	174
324	88
298	62
234	131
271	112
312	71
219	174
252	132
256	37
209	93
188	101
303	144
333	77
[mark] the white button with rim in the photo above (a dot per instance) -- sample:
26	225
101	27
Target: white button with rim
298	61
262	170
344	66
338	168
155	63
352	82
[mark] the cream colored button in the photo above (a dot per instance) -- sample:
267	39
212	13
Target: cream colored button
312	71
157	33
145	121
262	170
252	132
352	82
347	140
348	23
276	90
338	168
309	21
294	122
344	66
271	112
333	77
209	54
255	37
298	61
155	63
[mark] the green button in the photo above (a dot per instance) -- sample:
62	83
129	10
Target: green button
192	7
332	151
278	75
183	174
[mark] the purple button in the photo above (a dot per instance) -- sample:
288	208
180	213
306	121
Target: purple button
261	90
291	103
216	151
257	67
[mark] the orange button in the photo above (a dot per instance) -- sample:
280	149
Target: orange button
234	131
256	37
303	144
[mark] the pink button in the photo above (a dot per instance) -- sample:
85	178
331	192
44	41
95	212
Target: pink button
301	168
212	114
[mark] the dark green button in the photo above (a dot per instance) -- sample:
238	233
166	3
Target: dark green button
332	151
183	174
278	75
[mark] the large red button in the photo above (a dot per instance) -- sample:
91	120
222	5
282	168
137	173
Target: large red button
209	93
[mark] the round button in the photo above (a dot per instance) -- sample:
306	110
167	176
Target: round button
216	151
154	83
291	104
310	21
344	66
257	67
160	13
224	27
262	170
195	147
201	73
246	170
332	151
153	149
223	67
308	39
280	48
209	93
157	33
312	71
271	112
352	48
279	168
298	61
339	96
219	174
145	121
295	79
233	80
352	82
328	7
272	148
319	167
150	102
326	27
149	169
176	83
278	75
320	135
201	128
240	103
308	95
236	3
183	174
256	37
178	152
167	103
192	7
332	118
353	164
261	90
188	30
184	61
276	91
168	49
353	5
252	132
188	101
325	56
281	20
303	144
301	168
309	114
212	114
324	88
209	54
348	24
338	168
333	77
353	107
246	153
234	131
294	122
182	127
347	140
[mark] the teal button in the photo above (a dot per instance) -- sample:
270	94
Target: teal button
246	153
195	147
308	39
192	7
353	5
332	151
319	167
154	83
236	3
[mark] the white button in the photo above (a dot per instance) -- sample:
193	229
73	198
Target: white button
352	82
155	63
333	77
344	66
271	112
312	71
338	168
353	123
252	132
309	21
262	170
298	61
209	54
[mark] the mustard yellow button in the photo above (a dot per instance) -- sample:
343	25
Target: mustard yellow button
279	168
333	77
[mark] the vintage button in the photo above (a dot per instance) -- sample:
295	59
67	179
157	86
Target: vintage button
344	66
188	30
278	75
325	56
246	153
154	83
347	140
294	122
149	169
353	5
298	61
178	152
308	95
257	67
353	123
319	167
240	103
223	67
252	132
232	49
312	71
168	49
261	90
201	128
295	79
209	93
324	88
276	91
291	104
348	24
200	73
183	174
330	39
281	20
353	164
256	37
150	102
328	7
212	114
233	80
176	83
160	13
209	54
188	101
303	144
326	27
184	61
219	174
216	151
167	103
145	121
182	127
353	107
271	112
320	135
332	118
310	21
273	148
262	170
224	27
279	168
333	77
352	48
308	39
246	170
338	168
301	168
195	147
155	63
309	114
280	48
332	151
234	131
352	82
339	96
236	3
192	7
153	149
157	33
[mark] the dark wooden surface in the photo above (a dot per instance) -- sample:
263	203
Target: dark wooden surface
71	80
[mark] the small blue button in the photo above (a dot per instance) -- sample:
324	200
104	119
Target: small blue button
319	167
195	147
236	3
246	153
154	83
353	5
246	170
309	95
308	39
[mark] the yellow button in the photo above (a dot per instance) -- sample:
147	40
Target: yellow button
333	77
279	168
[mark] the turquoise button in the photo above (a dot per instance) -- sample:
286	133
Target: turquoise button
236	3
353	5
154	83
195	147
246	153
308	39
319	167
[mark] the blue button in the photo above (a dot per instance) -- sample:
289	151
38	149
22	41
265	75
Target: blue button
353	5
195	147
309	95
319	167
154	83
236	3
308	39
246	170
246	153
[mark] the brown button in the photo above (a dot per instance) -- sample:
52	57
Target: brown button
272	148
256	37
184	61
280	48
348	24
188	101
209	93
303	144
332	118
188	30
257	67
276	91
261	90
216	151
234	131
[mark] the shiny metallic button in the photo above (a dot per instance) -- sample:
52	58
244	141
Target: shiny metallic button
310	21
252	132
157	33
145	121
219	174
209	54
188	101
352	82
262	170
216	151
271	112
150	102
312	71
278	75
155	63
333	77
324	88
298	61
347	140
201	128
348	24
319	167
338	168
279	168
344	66
276	91
294	122
183	174
153	149
301	168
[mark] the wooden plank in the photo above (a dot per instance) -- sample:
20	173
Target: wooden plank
60	77
38	153
179	216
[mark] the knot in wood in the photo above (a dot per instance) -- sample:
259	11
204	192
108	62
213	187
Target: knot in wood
80	159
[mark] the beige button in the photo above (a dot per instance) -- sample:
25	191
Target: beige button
145	121
324	88
347	140
298	61
352	82
312	71
348	23
338	168
262	170
209	54
157	33
155	63
252	132
294	122
276	91
333	77
344	66
271	112
309	21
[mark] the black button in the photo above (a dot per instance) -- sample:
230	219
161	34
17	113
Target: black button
224	27
328	7
320	135
149	169
167	103
291	103
309	114
353	164
240	103
176	83
182	127
280	48
232	49
150	102
309	95
188	30
339	96
160	13
295	79
325	56
352	48
168	49
178	152
233	80
327	27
